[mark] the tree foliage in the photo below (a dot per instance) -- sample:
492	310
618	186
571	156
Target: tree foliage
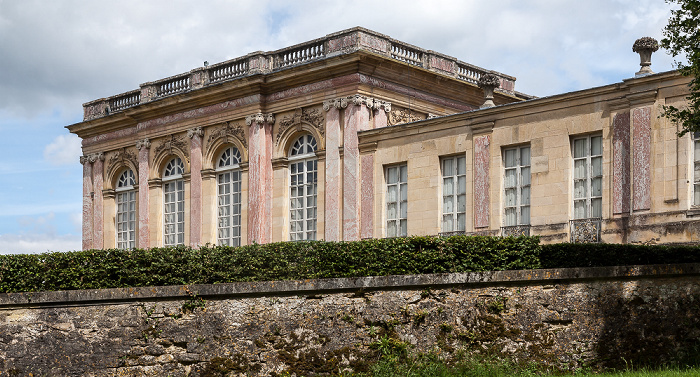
682	39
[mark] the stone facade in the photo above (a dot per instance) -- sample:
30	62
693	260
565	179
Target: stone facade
563	318
371	103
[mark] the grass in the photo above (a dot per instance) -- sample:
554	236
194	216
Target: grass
433	366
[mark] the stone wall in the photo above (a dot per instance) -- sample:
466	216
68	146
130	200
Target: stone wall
564	318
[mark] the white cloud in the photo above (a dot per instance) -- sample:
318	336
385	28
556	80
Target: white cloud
63	150
38	243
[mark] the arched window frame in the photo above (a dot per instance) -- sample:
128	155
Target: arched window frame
228	180
125	217
174	202
303	188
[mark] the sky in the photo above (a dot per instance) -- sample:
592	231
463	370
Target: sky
57	55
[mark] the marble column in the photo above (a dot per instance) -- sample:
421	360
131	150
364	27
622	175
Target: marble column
87	202
356	119
195	134
97	200
143	147
482	158
380	109
260	177
332	181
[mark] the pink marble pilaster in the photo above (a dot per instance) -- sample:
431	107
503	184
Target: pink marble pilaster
87	202
641	150
332	161
621	163
482	158
195	134
143	147
97	202
367	200
260	178
356	119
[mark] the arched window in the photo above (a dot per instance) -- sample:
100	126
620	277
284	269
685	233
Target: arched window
126	210
303	171
229	198
174	203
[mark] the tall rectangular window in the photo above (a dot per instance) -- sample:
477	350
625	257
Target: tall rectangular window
588	177
454	194
126	219
696	168
174	212
516	185
396	201
229	214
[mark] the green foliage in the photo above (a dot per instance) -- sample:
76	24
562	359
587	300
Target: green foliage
95	269
682	38
565	255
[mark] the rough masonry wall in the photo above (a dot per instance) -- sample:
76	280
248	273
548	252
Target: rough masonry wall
564	318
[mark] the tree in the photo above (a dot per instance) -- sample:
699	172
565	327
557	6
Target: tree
682	38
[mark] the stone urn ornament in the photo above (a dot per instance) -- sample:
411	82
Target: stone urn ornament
488	83
645	47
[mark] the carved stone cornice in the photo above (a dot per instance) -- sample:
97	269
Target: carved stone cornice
143	143
175	142
260	119
121	156
279	163
227	131
196	131
312	117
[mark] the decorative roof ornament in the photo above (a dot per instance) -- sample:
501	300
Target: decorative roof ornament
645	47
488	82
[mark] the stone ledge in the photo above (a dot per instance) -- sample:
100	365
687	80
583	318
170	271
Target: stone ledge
320	286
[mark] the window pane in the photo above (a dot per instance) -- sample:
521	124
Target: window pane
392	175
510	157
510	198
448	204
447	223
461	203
596	207
461	222
447	186
525	195
510	178
525	176
580	170
580	148
510	217
580	189
525	215
447	167
404	173
580	209
596	187
525	156
461	165
596	145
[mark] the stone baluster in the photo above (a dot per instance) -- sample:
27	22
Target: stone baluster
260	177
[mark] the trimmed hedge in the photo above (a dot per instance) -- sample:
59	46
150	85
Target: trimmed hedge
114	268
93	269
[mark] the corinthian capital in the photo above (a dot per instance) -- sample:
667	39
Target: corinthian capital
338	103
197	131
143	143
84	160
96	156
260	118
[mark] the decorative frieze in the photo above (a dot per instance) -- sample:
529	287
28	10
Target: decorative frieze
585	230
260	118
121	156
175	142
312	117
227	131
358	100
403	116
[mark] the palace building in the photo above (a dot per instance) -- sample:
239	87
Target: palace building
356	135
